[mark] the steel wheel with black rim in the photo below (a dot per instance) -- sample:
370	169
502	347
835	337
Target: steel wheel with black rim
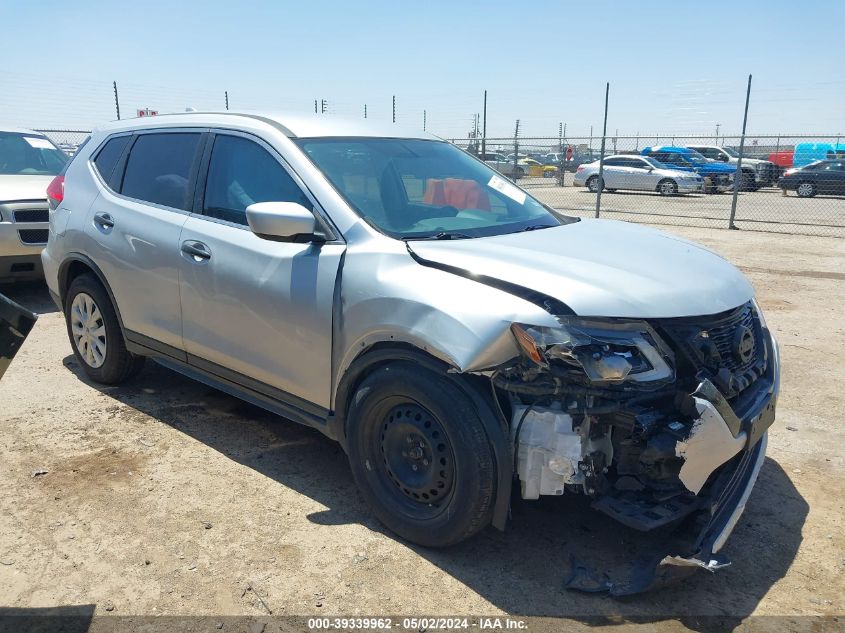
95	334
420	455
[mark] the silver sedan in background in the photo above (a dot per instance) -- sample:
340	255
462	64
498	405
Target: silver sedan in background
638	173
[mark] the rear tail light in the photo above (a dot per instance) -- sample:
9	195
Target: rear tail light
56	191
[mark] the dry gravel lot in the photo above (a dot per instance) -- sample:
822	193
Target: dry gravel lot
165	497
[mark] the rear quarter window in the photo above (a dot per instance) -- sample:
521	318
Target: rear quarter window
108	156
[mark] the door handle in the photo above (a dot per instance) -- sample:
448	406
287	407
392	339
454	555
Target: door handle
104	221
196	250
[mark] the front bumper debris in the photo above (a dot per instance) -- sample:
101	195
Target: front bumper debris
15	324
688	553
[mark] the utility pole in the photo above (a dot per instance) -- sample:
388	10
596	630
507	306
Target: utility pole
718	125
323	106
315	106
116	101
227	99
394	108
365	110
738	176
560	136
484	127
423	120
515	148
601	157
591	141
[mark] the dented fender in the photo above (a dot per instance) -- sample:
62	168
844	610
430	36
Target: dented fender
387	297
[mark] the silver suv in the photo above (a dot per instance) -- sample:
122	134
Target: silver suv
28	162
450	331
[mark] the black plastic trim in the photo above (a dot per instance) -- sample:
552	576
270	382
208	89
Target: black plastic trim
234	383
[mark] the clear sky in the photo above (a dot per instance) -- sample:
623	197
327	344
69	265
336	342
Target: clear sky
674	66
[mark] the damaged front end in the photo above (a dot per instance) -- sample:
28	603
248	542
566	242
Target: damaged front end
662	423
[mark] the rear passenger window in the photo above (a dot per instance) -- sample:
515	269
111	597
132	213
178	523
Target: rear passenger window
241	173
109	155
159	168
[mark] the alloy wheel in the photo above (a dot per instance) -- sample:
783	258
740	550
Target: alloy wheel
88	330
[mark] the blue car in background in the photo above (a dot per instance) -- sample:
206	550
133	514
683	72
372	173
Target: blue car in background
806	153
717	176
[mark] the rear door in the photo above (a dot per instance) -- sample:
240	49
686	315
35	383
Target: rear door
615	176
256	312
135	225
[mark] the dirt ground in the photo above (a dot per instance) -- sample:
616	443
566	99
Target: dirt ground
165	497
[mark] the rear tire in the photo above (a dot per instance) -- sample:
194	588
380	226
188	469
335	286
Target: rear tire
593	184
420	455
806	189
95	334
667	187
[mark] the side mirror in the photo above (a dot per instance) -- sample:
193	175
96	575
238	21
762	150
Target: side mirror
283	222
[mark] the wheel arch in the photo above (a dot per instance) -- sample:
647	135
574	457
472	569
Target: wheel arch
477	387
77	264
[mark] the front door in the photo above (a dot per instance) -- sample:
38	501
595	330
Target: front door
256	311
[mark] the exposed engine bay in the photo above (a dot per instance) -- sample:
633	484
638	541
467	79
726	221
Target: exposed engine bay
638	416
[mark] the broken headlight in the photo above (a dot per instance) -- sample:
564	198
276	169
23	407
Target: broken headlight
605	351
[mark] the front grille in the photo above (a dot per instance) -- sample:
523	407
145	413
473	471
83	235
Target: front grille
34	236
31	215
728	348
722	336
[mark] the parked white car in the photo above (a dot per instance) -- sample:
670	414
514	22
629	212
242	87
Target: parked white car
638	173
28	162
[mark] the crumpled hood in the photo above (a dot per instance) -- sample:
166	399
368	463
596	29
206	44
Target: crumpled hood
602	268
23	187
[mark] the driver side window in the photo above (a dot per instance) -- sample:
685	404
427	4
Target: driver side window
241	173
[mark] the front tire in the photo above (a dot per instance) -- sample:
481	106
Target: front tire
420	455
593	184
95	334
667	187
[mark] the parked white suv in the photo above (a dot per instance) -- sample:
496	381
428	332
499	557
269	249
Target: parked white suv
638	173
449	330
28	162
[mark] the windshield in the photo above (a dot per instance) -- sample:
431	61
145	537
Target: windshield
29	155
654	162
417	189
731	152
695	158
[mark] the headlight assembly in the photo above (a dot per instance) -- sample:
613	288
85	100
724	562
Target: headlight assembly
605	352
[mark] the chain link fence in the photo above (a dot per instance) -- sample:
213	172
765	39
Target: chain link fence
67	140
786	184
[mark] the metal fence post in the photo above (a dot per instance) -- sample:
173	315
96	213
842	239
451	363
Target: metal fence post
515	148
227	99
484	128
601	157
394	108
738	177
116	102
